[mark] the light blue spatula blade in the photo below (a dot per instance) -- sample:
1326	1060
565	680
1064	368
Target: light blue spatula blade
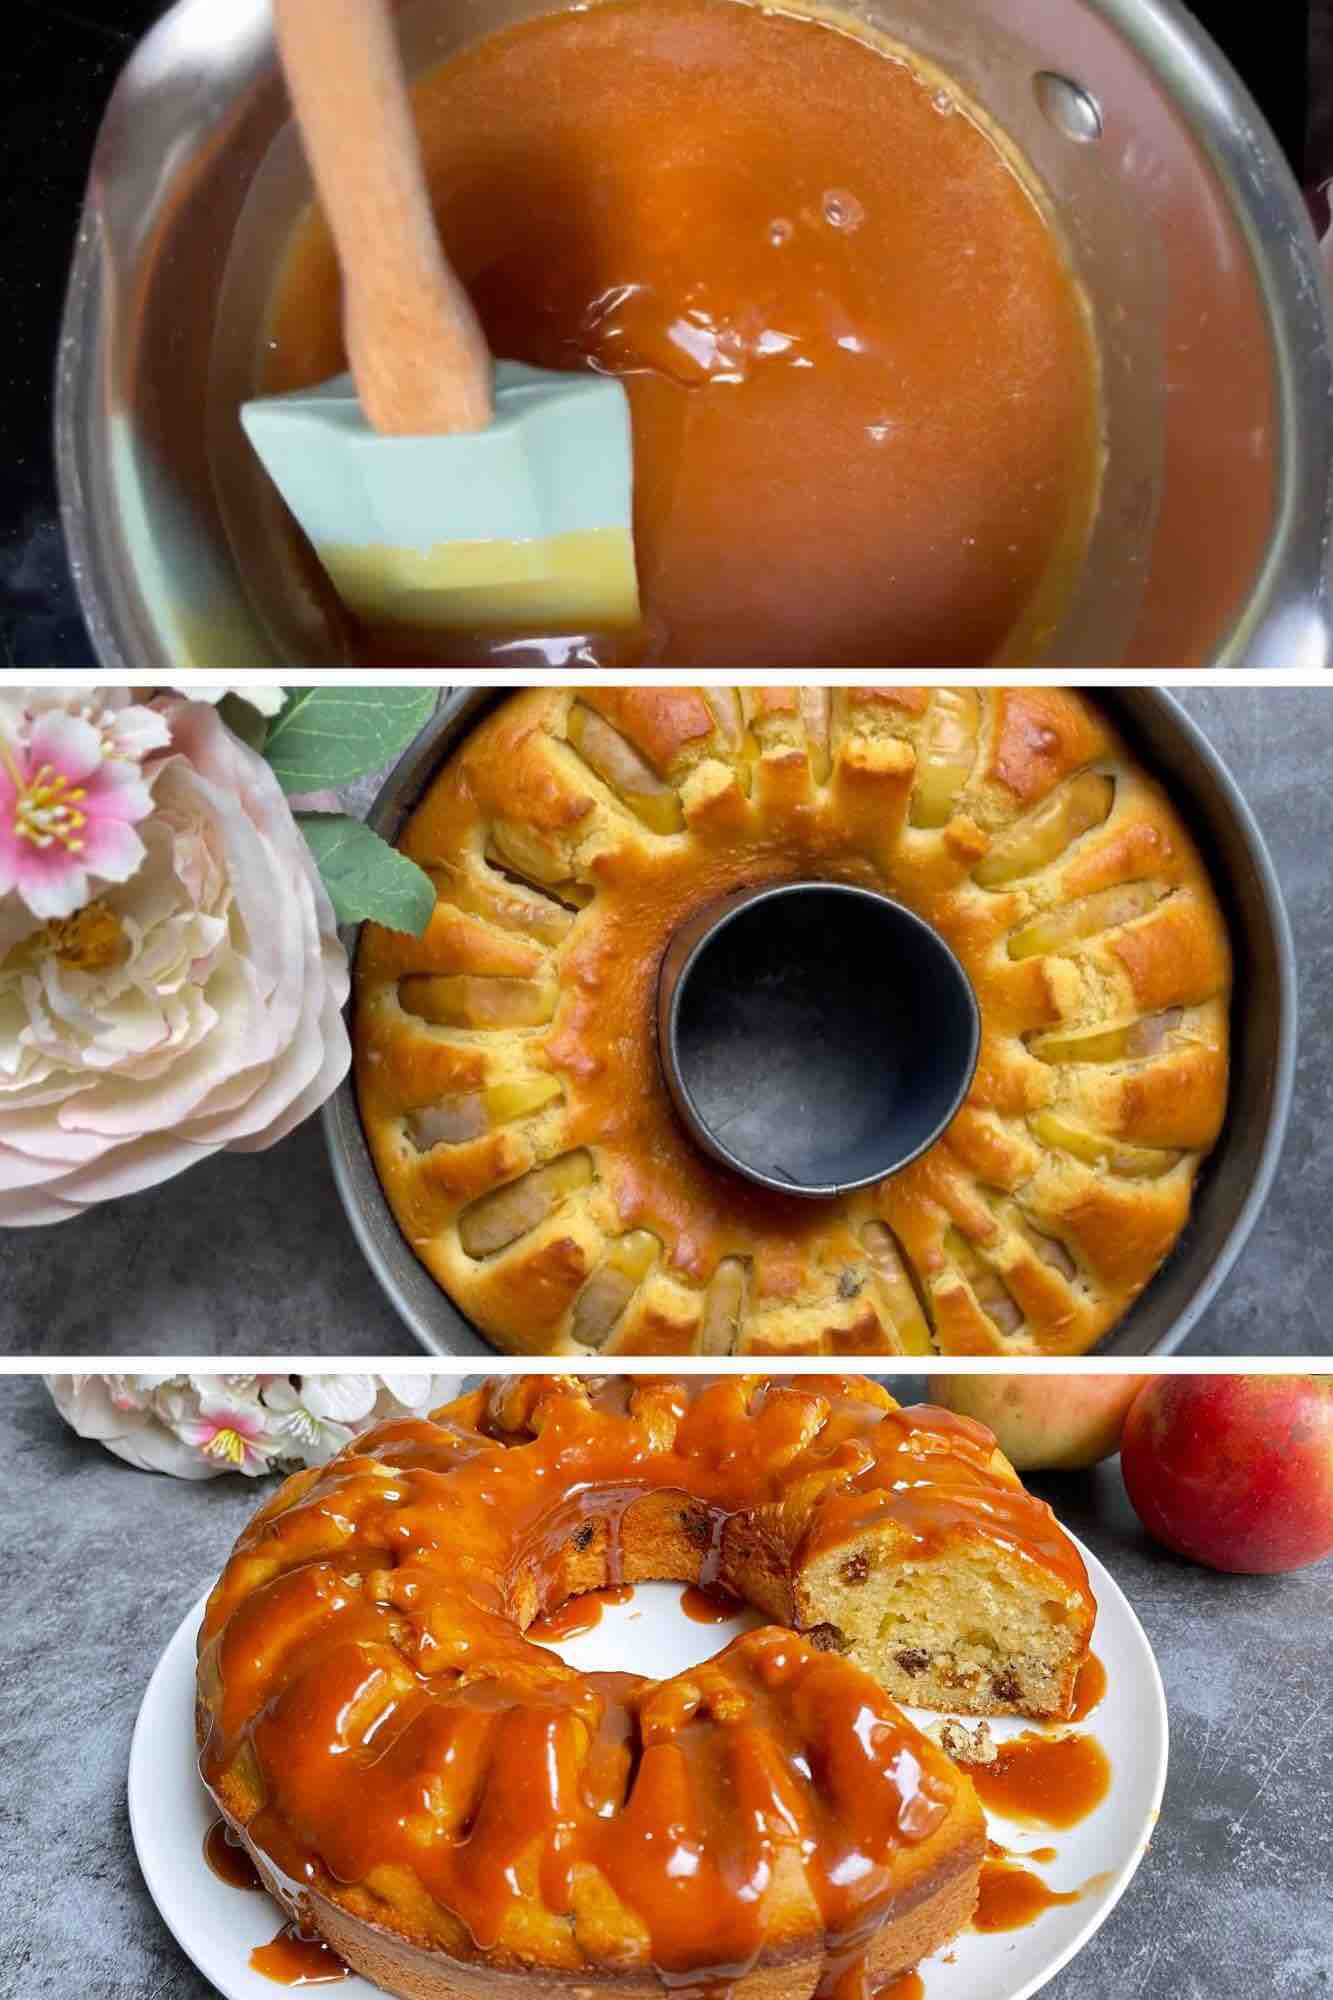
538	505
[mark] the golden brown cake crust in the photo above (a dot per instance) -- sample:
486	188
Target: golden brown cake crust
446	1801
573	833
400	1967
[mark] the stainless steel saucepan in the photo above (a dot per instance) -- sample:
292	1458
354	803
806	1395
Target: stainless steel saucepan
1181	218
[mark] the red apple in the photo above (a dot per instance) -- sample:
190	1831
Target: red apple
1234	1471
1044	1423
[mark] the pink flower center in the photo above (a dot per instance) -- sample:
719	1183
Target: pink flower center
47	807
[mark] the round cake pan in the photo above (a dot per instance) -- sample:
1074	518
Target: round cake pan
776	971
1235	1180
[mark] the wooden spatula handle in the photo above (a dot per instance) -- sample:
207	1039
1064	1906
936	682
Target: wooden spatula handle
415	346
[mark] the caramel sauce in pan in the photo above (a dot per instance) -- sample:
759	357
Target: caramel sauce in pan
577	1615
1047	1781
367	1620
862	381
1012	1898
293	1959
1089	1688
228	1859
708	1607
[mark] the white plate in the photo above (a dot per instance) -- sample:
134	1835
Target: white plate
170	1812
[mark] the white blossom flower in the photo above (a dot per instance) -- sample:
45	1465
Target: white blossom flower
323	1412
199	1426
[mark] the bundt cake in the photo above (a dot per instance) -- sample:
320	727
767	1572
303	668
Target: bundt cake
444	1801
507	1068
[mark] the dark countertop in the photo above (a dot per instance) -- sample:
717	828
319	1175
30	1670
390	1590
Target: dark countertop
61	64
1230	1904
252	1255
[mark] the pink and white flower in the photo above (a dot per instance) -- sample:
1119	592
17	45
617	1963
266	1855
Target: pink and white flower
194	1005
200	1426
234	1433
72	791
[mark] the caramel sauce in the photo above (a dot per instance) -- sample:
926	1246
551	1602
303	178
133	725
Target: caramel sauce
708	1607
578	1615
292	1959
907	1986
862	381
370	1619
1047	1781
1089	1689
228	1859
1012	1898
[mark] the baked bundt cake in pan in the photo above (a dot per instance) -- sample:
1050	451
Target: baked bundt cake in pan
444	1801
507	1069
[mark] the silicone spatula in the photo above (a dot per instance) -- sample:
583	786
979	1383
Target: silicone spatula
440	489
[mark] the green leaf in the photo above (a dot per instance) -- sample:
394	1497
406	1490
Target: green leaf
326	736
365	877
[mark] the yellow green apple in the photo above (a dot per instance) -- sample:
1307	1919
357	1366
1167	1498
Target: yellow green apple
1044	1423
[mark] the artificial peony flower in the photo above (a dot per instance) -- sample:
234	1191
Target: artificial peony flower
194	1007
72	791
200	1426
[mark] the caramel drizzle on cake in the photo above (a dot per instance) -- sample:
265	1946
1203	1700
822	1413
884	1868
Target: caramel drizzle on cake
390	1745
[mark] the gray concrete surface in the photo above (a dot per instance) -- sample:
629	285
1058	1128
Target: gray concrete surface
102	1563
253	1255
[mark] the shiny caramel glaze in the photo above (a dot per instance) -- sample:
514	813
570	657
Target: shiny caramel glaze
907	1986
1089	1690
1046	1781
525	1018
861	377
374	1720
292	1959
228	1859
578	1615
708	1607
1012	1898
